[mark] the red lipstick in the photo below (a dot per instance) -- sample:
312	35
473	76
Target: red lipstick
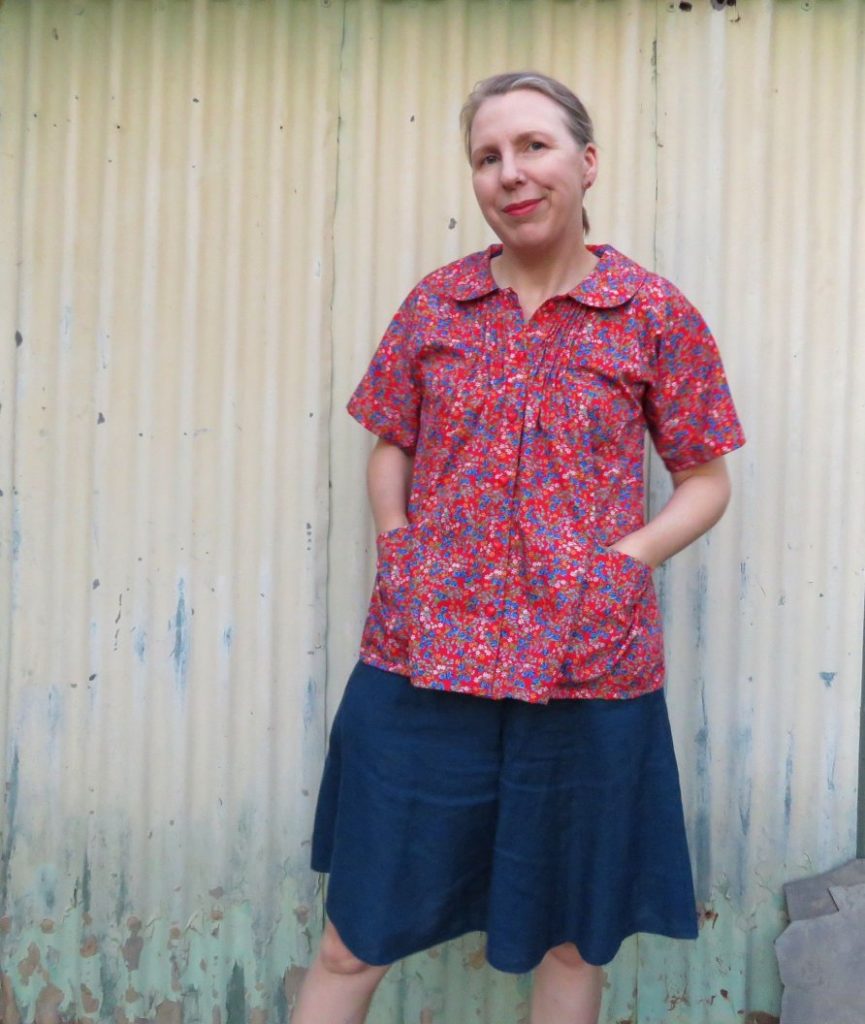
521	209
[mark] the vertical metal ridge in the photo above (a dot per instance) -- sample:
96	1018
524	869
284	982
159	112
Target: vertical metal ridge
210	219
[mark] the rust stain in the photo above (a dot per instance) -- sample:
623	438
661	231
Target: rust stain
217	914
131	995
175	933
132	951
29	964
120	1017
88	1001
169	1012
676	998
48	1005
302	913
89	947
426	1016
760	1017
257	1016
5	924
478	959
434	953
8	1008
47	926
217	1016
707	915
291	983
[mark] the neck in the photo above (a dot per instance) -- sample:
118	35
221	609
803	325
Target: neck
540	276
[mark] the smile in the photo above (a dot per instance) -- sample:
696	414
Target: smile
521	209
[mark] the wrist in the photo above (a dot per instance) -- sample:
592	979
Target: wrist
390	522
635	547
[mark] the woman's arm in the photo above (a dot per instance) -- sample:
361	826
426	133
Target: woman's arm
698	501
388	481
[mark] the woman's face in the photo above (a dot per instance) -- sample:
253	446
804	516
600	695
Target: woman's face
529	173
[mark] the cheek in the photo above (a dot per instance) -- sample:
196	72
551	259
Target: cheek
484	193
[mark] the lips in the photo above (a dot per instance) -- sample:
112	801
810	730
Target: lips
520	209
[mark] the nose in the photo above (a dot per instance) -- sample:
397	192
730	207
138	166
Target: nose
511	172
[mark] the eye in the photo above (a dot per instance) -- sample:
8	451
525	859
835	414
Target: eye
536	145
487	159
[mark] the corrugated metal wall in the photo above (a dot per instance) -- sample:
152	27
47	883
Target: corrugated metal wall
208	212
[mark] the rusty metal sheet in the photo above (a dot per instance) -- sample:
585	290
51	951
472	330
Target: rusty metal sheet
209	211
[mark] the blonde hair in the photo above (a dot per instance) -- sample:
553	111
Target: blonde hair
577	118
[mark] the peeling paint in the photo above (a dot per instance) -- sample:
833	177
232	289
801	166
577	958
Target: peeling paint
180	771
701	604
788	784
744	791
8	1009
235	1000
180	653
133	945
310	701
11	805
48	1004
88	1003
477	958
169	1012
155	963
702	824
139	644
30	964
292	981
85	884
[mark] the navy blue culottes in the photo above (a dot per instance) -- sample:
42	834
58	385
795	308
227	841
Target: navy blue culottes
442	813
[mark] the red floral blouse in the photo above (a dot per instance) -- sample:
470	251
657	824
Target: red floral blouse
528	440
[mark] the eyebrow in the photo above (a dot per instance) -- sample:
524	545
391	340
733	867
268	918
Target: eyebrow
522	137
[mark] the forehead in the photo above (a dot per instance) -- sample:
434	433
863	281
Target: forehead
516	113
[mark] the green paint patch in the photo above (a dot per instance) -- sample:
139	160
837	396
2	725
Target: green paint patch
224	963
235	1001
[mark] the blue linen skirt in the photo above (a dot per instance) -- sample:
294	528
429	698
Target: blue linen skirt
442	813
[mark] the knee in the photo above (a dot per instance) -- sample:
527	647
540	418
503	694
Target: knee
567	955
337	958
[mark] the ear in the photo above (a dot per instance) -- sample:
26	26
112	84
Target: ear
590	165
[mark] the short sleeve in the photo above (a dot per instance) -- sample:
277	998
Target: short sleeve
688	406
387	399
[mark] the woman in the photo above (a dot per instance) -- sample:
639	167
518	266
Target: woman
501	760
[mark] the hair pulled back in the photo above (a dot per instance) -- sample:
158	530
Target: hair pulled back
577	118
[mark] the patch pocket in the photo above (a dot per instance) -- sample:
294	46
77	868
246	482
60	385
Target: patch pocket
607	615
585	409
455	384
393	575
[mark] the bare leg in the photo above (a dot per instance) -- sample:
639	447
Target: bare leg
566	990
338	987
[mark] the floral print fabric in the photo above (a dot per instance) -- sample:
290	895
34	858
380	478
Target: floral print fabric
528	439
